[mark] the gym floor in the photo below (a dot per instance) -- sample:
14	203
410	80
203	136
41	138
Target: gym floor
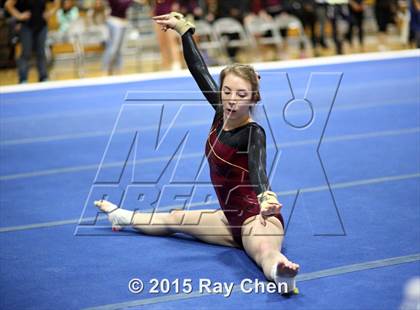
343	151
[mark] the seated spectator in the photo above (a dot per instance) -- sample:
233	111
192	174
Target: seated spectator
274	8
96	14
66	15
210	10
235	9
256	15
191	8
257	8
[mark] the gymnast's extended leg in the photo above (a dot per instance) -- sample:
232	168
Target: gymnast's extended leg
263	243
210	226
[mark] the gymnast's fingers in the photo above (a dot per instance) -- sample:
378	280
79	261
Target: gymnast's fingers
167	24
276	208
162	22
161	17
262	219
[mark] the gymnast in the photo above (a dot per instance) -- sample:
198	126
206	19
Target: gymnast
250	216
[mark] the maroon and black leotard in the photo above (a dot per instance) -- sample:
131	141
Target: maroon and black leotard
237	158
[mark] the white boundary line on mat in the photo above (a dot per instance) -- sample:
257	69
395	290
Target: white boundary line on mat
198	123
332	139
309	62
300	278
320	188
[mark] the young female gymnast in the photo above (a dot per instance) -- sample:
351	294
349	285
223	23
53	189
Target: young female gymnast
250	217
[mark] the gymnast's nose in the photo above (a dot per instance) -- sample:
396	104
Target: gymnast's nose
233	100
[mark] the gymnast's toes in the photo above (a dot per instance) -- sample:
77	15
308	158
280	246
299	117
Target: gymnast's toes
105	206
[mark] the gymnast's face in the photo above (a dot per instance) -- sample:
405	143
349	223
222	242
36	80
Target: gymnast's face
236	97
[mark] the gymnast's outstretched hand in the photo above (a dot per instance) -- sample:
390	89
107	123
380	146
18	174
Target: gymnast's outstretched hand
269	205
175	21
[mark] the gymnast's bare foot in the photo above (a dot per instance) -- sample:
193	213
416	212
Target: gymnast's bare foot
284	274
118	217
287	268
105	206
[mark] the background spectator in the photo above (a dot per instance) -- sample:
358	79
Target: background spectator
117	24
356	16
96	14
305	11
235	9
337	10
321	7
66	15
32	18
385	11
168	41
190	8
414	36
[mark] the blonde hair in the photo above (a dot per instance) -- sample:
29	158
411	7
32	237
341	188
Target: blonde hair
247	73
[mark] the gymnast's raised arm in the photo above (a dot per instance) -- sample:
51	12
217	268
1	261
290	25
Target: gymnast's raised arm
199	70
192	56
